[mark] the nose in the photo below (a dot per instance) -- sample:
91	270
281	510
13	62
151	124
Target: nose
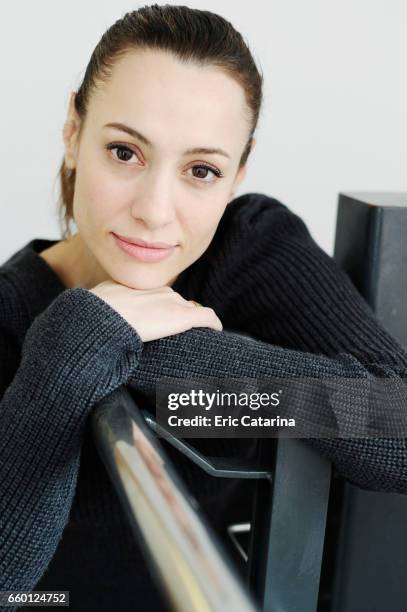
154	205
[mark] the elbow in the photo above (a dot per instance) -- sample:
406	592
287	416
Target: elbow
374	464
380	480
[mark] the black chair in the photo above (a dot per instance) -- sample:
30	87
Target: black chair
288	516
287	522
365	557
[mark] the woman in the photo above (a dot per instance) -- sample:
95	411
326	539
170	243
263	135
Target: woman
156	143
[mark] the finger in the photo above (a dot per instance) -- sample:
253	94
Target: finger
208	318
218	325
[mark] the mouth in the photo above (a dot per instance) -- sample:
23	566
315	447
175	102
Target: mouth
144	243
142	252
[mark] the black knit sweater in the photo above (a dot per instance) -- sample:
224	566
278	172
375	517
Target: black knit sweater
62	350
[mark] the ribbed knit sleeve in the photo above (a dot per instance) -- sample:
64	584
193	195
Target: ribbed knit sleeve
75	352
204	354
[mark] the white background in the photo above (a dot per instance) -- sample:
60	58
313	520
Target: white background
333	120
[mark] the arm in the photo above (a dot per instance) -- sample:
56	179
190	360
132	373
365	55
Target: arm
74	353
199	354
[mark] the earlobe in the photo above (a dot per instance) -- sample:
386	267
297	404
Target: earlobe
69	140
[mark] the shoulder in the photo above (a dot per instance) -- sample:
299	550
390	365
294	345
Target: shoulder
16	277
8	295
260	217
250	206
259	235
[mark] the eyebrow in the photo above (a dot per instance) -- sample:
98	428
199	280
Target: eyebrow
136	134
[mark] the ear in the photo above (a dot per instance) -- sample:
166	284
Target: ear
71	133
240	175
238	179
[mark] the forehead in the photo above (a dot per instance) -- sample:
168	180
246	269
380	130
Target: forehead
157	90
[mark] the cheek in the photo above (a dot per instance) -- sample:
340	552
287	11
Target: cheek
97	197
203	220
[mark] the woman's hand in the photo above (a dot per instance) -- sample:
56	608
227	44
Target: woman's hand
155	313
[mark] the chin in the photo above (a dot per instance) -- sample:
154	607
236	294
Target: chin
143	283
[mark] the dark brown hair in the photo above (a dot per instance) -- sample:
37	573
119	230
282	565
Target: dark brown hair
191	35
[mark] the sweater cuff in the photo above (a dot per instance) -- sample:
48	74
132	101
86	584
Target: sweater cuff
87	347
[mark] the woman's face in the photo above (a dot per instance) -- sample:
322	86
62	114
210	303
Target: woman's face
141	168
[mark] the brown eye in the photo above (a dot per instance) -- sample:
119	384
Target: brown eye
201	173
123	153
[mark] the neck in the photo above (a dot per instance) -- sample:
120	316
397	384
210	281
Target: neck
73	263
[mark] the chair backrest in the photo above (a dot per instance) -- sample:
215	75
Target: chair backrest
288	528
370	567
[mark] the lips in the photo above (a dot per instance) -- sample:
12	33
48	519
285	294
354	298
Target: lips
143	243
143	253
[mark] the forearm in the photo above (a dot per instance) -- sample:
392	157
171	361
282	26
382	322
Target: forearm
74	354
374	463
